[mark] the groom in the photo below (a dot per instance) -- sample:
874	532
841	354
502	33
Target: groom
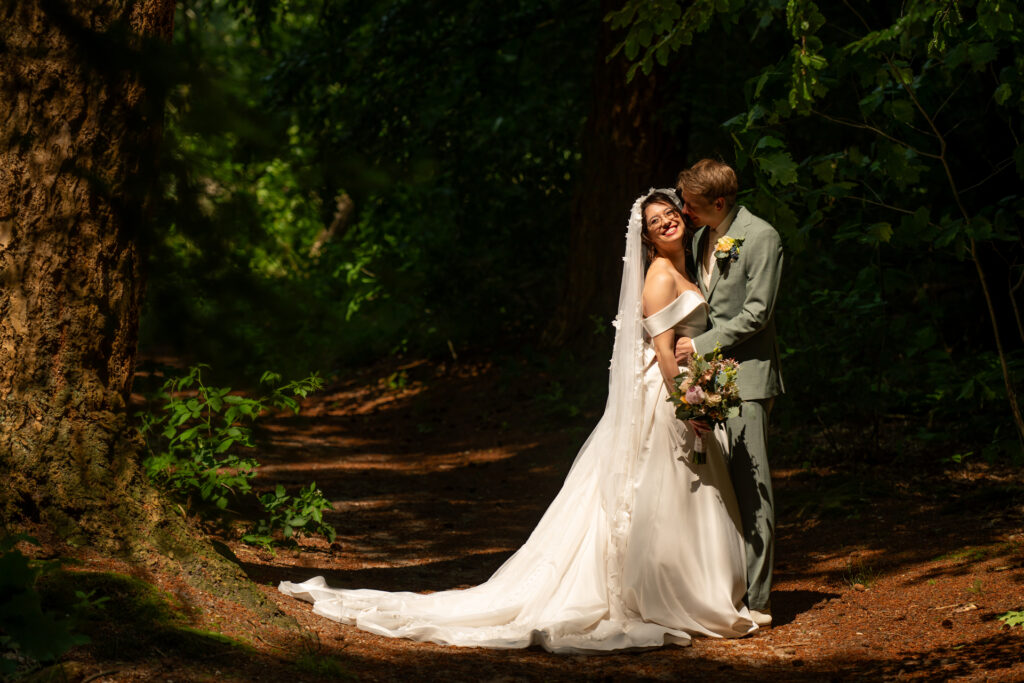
737	259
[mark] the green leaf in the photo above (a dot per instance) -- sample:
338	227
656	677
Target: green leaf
872	101
878	233
632	48
903	110
824	170
956	55
921	218
644	34
1003	93
980	228
981	54
269	377
1012	618
188	434
779	166
768	141
761	82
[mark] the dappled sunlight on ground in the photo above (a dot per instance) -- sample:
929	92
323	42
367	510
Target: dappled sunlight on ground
882	573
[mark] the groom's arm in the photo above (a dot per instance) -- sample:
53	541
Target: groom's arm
764	254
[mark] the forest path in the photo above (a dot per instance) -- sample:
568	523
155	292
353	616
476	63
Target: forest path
438	472
880	574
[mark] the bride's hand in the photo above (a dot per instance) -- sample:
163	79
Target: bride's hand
684	349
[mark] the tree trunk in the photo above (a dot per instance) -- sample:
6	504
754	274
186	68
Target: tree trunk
79	135
625	152
79	128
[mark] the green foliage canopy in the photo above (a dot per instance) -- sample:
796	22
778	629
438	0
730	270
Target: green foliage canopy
442	124
884	141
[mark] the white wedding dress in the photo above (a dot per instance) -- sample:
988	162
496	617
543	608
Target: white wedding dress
639	548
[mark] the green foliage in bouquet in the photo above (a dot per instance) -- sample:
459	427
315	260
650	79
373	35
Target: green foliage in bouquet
706	389
191	446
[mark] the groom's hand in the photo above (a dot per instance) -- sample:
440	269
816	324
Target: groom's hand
684	349
702	428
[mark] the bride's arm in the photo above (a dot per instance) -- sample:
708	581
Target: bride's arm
664	344
659	292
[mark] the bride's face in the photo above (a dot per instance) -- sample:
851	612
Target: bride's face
665	226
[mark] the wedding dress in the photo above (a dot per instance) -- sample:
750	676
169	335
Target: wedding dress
639	548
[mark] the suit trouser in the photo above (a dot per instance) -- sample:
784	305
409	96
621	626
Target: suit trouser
748	466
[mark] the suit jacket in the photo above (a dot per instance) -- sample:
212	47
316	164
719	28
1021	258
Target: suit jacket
741	296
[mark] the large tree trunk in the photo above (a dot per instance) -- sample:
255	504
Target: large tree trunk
79	130
625	152
76	157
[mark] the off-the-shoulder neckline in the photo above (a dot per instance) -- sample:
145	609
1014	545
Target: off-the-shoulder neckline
671	303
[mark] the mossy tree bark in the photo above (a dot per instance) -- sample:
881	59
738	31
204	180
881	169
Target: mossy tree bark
81	106
625	152
80	130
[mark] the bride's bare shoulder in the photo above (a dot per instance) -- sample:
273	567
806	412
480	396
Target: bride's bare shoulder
660	276
659	286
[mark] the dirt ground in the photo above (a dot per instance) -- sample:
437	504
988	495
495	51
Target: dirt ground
439	472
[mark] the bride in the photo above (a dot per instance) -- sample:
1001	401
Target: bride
640	547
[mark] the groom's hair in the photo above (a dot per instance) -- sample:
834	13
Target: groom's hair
710	179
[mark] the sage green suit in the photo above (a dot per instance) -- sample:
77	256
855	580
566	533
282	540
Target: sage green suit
742	296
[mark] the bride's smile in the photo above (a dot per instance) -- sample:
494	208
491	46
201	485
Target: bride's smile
664	224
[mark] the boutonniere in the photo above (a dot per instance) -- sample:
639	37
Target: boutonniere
728	248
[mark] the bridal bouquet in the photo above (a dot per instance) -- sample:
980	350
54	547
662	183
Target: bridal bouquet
706	391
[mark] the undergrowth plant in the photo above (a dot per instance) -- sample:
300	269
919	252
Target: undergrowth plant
288	513
29	634
1012	618
193	439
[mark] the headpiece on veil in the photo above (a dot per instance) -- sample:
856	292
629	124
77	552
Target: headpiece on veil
669	191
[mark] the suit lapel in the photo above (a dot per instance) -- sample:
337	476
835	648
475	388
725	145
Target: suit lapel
716	274
698	258
738	229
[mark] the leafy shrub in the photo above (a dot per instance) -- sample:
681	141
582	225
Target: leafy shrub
28	633
190	450
1012	618
288	513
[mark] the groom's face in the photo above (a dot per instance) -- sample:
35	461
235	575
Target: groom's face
702	211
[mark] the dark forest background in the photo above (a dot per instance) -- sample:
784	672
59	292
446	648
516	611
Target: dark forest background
349	181
283	195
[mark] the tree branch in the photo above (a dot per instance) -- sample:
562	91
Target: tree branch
935	130
949	97
858	15
1016	309
1011	391
1000	167
876	131
880	204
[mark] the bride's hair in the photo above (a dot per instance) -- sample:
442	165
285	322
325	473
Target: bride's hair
649	251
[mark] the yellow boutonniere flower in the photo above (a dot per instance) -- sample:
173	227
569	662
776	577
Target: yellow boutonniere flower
728	248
